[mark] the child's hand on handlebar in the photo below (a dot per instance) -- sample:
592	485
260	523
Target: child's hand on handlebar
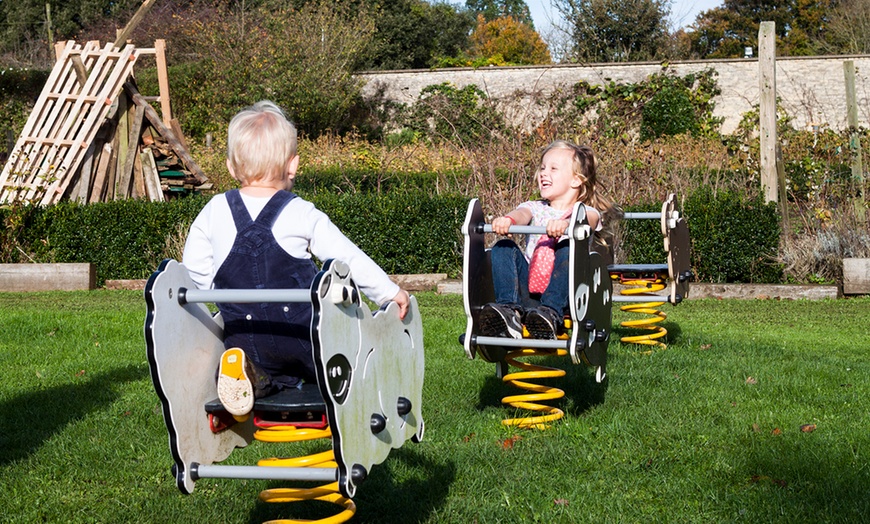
556	228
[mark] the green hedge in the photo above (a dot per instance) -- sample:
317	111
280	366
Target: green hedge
733	240
405	232
124	239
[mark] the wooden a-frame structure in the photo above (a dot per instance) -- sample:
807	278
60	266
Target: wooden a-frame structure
93	137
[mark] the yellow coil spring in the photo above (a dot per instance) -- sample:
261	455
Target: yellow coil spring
326	459
529	401
641	287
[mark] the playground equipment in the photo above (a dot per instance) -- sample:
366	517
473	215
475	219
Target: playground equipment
589	302
643	281
367	398
589	323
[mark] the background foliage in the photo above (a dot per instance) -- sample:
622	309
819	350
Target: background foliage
661	105
652	137
405	232
425	33
19	89
270	55
615	30
507	41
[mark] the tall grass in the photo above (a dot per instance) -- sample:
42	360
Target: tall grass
757	411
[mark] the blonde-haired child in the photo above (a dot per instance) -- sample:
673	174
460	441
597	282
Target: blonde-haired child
566	176
264	236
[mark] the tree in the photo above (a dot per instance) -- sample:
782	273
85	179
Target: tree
724	32
507	41
302	59
24	23
615	30
848	28
413	34
492	9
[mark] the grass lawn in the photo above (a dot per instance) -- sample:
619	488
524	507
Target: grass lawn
712	429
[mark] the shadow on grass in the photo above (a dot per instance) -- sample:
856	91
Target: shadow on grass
30	419
407	488
581	390
817	486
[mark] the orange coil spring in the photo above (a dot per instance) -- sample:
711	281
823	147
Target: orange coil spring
649	323
326	459
538	393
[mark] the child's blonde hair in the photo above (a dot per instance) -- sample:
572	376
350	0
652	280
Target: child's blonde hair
260	142
584	167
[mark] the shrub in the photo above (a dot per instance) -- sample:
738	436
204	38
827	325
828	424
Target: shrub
620	110
446	113
407	232
668	112
814	252
640	241
19	89
733	239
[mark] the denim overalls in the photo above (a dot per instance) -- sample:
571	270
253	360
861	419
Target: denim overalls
276	336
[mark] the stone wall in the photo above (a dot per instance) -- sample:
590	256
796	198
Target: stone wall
811	89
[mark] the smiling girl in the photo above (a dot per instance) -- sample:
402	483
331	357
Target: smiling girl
566	176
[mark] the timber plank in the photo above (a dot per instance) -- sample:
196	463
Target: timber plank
126	174
152	178
856	276
119	191
166	133
138	179
100	177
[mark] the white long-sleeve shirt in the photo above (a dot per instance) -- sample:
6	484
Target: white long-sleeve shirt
300	229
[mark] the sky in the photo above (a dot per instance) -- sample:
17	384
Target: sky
683	12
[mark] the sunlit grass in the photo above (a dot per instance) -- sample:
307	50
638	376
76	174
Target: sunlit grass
711	429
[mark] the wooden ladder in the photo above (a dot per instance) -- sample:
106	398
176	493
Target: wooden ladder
75	101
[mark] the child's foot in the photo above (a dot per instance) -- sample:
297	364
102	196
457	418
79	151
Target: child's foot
543	323
235	390
500	320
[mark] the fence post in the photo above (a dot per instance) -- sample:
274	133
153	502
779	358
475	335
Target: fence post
767	108
852	121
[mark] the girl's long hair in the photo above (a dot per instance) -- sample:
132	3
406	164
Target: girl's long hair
584	168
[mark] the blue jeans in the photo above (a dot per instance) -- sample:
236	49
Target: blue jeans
510	277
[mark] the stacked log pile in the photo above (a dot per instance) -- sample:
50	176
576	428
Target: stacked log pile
92	137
